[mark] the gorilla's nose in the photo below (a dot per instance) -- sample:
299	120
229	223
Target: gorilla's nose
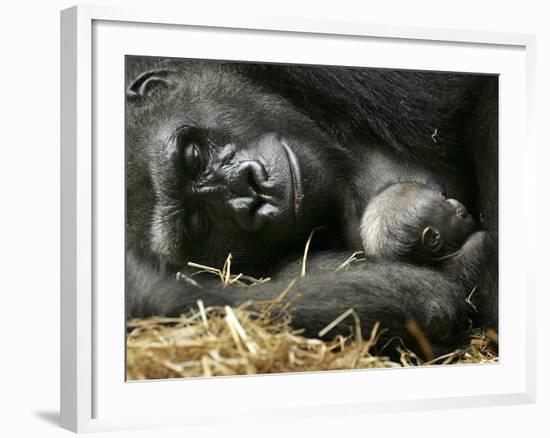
247	179
249	204
461	211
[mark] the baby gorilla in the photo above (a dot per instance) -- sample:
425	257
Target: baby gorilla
413	223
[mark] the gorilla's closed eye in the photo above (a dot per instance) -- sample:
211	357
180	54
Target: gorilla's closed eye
193	162
191	152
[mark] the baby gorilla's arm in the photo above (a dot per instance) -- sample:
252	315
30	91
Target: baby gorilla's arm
467	264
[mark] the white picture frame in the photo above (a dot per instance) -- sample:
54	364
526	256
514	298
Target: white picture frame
93	396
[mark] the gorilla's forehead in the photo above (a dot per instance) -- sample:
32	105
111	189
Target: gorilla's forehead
216	97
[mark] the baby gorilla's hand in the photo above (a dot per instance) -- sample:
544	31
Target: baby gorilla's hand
474	244
467	264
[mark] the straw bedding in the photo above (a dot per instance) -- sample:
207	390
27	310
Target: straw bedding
258	337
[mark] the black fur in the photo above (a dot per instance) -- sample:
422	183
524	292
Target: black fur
354	131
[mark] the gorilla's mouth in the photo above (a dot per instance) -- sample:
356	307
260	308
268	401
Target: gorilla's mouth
297	193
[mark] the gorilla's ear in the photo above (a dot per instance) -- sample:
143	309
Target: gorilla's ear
431	239
149	82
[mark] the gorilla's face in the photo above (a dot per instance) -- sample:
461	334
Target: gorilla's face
215	166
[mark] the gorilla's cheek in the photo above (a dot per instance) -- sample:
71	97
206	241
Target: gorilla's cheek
297	187
282	188
165	240
316	186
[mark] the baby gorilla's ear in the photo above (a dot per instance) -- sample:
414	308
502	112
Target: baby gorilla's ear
431	239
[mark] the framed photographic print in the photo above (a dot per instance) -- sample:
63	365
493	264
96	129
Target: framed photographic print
257	207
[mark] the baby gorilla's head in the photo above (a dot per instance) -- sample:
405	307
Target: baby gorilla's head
413	222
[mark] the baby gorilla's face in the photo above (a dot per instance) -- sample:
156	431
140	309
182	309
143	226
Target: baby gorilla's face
449	226
413	222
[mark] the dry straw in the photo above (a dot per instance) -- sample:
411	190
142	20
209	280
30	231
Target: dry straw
257	337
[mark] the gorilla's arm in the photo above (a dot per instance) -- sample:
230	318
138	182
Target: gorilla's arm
391	293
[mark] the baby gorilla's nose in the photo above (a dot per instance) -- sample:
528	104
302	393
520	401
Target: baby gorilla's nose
461	211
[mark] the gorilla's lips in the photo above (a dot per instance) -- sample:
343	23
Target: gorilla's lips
296	189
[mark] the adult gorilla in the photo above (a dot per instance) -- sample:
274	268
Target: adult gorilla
248	159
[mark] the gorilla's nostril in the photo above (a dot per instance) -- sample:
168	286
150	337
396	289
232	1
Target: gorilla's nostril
248	178
253	183
258	174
